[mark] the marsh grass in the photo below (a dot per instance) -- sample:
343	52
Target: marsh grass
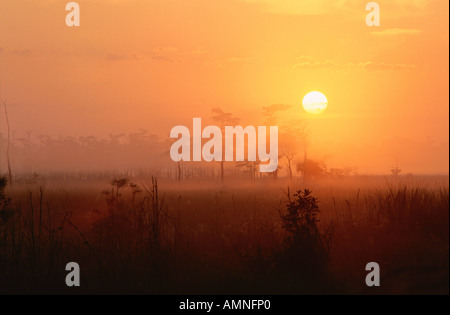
205	238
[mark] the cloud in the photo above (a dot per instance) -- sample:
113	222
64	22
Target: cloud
197	51
172	54
272	109
16	52
397	31
241	59
161	58
157	53
388	67
302	57
327	64
121	57
164	53
21	52
293	7
361	66
164	49
348	7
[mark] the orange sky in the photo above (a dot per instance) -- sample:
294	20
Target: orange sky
154	64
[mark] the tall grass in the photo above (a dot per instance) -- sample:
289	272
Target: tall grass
134	239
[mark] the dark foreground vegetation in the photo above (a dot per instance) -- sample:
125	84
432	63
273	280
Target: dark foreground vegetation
211	238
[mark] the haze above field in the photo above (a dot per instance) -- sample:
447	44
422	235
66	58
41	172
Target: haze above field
155	64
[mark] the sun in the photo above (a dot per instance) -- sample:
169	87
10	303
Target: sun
315	102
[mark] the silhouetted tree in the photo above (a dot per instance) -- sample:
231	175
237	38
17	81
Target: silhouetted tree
270	112
223	119
311	168
395	170
250	167
289	157
8	144
306	254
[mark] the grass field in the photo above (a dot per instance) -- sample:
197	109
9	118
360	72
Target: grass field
146	236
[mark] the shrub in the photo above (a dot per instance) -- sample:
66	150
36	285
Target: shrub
306	254
4	200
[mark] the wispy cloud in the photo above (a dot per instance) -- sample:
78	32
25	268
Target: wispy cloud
317	7
16	52
241	59
303	57
21	52
121	57
197	51
160	53
173	54
164	50
397	31
327	64
362	66
388	67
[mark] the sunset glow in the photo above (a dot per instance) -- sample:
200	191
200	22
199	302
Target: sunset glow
224	147
166	62
315	103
